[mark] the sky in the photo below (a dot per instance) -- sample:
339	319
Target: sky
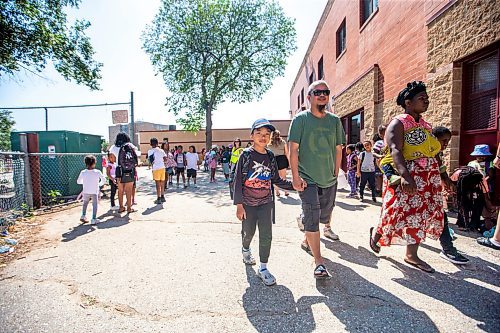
117	26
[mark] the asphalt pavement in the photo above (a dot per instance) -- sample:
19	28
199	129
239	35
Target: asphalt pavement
177	267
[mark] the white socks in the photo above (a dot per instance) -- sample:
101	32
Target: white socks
263	266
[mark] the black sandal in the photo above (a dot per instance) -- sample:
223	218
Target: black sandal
321	273
375	248
306	248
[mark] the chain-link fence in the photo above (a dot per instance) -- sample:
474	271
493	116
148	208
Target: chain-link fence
12	195
54	176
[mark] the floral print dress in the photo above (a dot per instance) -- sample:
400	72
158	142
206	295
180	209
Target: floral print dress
409	218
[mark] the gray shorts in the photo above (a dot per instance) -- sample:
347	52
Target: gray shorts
317	205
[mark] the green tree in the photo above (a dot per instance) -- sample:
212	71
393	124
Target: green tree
35	31
210	51
6	124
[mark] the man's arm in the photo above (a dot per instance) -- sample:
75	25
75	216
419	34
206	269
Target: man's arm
298	183
338	159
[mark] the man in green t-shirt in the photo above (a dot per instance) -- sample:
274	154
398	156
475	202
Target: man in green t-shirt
316	137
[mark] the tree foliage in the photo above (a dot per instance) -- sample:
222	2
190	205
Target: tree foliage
35	31
210	51
6	124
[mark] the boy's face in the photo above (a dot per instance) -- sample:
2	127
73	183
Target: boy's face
261	136
480	158
444	140
368	146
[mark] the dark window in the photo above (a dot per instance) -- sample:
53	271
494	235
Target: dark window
298	101
481	93
311	78
302	96
341	38
366	9
321	74
353	125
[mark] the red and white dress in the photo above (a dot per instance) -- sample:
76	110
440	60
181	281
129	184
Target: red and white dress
409	218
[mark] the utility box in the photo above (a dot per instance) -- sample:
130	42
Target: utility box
59	170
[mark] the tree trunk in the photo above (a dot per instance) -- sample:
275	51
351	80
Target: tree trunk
208	131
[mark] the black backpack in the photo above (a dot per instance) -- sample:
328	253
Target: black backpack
127	158
246	168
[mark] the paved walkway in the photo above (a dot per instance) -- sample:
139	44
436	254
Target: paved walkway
178	268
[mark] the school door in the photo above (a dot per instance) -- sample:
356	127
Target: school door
480	112
354	127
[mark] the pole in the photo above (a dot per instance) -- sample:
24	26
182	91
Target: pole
46	119
28	190
132	123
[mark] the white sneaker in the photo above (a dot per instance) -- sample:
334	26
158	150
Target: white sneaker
248	258
328	233
300	224
114	208
266	277
95	221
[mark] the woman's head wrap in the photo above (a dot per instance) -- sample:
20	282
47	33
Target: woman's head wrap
412	89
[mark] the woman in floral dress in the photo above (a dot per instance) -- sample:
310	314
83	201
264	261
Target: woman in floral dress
413	209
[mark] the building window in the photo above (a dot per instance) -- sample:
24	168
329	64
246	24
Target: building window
353	125
311	78
302	96
366	9
341	39
321	74
298	101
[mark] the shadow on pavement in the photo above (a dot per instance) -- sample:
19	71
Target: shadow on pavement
273	309
79	230
289	200
359	256
364	307
471	299
151	210
345	206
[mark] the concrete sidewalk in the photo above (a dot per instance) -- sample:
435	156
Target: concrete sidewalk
178	268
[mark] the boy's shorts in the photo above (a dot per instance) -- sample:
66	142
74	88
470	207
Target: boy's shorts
225	168
317	205
170	171
191	173
159	175
179	170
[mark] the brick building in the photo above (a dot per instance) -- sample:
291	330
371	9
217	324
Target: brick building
139	126
367	50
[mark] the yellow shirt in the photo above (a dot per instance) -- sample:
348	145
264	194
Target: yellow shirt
418	140
235	155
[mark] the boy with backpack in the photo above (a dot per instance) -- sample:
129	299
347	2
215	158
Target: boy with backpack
366	171
157	158
254	176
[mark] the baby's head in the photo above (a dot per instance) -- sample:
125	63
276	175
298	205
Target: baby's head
443	134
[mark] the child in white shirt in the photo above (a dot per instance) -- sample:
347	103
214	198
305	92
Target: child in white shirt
91	179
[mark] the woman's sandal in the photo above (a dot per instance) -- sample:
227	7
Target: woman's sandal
375	248
321	273
287	194
278	194
121	210
131	211
422	266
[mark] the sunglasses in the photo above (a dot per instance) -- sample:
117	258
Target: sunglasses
325	92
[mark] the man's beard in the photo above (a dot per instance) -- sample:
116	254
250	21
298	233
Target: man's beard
321	107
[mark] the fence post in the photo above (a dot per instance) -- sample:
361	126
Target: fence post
28	190
36	175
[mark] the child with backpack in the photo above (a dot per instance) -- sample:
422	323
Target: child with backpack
254	176
156	157
91	179
180	160
212	164
352	162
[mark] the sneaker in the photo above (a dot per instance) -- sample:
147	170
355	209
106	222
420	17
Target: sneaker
248	258
95	221
114	208
374	199
328	233
83	219
361	199
163	199
266	277
158	201
299	222
454	257
185	186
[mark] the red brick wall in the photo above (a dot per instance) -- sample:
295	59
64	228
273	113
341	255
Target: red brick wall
395	38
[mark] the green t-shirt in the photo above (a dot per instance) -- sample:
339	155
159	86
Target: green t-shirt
318	139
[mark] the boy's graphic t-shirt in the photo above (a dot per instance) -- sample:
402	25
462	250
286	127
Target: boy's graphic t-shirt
179	158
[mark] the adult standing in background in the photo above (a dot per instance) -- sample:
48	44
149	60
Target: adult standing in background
235	152
316	138
280	149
